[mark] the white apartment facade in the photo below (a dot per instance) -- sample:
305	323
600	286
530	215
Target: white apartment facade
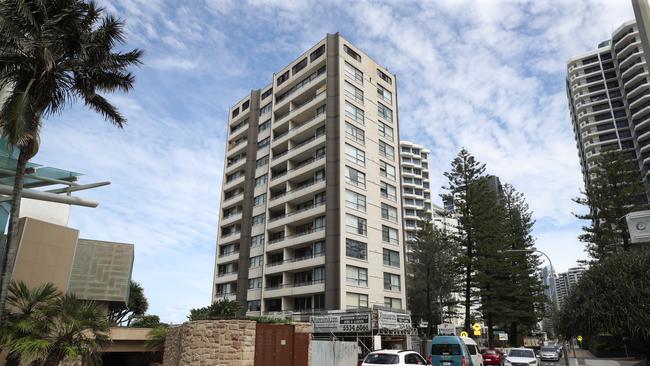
566	281
609	99
310	210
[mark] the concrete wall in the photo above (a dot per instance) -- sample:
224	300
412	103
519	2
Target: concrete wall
45	253
211	342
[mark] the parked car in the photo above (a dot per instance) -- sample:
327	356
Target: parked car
521	357
549	354
492	357
472	347
393	357
449	351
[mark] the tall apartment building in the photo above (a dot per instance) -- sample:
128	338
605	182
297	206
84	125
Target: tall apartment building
416	190
566	281
310	206
609	96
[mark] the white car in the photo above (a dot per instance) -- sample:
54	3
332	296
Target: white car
472	347
521	357
393	357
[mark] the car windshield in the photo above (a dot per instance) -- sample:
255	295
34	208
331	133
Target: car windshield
382	359
548	349
521	353
445	349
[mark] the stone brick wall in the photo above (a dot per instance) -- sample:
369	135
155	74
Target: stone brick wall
211	342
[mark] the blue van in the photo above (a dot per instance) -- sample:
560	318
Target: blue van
449	351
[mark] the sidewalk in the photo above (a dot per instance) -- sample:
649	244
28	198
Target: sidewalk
586	358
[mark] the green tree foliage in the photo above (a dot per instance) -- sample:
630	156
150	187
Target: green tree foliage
45	327
615	189
223	308
462	191
123	314
157	337
612	297
433	273
53	53
146	321
524	286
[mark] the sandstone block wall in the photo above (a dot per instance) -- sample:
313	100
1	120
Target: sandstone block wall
211	342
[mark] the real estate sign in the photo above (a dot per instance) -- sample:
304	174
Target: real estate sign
393	321
341	323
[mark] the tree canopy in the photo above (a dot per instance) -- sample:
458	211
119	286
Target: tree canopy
223	308
123	314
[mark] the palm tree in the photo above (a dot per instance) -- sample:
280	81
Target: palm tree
47	327
53	53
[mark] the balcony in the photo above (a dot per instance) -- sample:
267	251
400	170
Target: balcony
234	164
298	128
291	289
299	238
308	189
314	79
301	107
296	215
296	263
303	165
230	219
304	146
230	255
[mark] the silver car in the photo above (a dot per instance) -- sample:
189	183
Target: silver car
549	354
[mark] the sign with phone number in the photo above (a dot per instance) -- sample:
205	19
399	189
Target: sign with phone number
341	323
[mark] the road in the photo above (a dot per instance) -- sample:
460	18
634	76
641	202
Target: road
585	358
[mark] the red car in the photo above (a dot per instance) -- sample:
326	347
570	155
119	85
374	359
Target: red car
492	357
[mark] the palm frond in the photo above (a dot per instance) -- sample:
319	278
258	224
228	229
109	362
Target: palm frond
111	114
17	111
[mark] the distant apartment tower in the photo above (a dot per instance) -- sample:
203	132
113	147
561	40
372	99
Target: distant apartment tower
609	96
416	189
566	281
310	207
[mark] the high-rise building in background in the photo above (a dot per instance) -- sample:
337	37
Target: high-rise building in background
311	213
549	283
609	95
566	281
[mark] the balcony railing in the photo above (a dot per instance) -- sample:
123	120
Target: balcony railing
301	144
289	285
280	119
296	259
305	186
302	209
226	273
300	165
297	235
298	128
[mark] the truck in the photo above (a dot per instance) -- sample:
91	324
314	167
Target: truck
533	342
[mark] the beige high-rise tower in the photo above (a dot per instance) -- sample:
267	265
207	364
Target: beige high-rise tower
310	214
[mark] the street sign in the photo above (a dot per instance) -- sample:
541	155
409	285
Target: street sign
580	338
638	225
446	329
477	332
477	327
464	334
503	336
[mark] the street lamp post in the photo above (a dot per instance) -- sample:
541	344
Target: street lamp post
564	350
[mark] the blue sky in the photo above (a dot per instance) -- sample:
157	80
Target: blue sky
486	75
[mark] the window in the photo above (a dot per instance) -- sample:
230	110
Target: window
385	131
316	54
259	200
394	303
355	301
354	155
446	349
319	223
385	112
351	52
391	258
356	225
299	66
356	276
391	282
351	111
267	93
245	105
355	133
262	161
353	73
258	219
256	261
264	126
384	94
386	150
265	109
413	358
235	112
254	283
254	305
389	234
384	77
355	177
263	143
353	92
257	240
356	249
388	191
261	180
386	170
355	200
282	78
388	212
